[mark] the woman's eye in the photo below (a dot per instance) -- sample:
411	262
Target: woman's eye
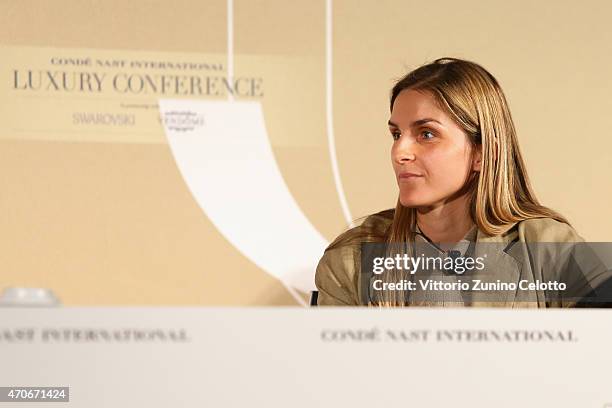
396	135
427	135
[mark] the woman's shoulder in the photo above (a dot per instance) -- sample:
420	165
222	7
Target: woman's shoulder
547	230
372	227
337	273
379	221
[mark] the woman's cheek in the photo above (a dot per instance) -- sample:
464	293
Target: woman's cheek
451	173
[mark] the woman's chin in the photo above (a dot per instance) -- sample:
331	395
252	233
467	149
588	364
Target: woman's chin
411	201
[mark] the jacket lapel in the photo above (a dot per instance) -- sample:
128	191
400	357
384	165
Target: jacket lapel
499	265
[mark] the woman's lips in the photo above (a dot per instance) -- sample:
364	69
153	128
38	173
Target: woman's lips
409	176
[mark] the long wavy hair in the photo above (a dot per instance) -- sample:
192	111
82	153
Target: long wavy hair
500	194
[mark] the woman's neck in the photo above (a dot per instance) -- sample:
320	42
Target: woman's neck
447	222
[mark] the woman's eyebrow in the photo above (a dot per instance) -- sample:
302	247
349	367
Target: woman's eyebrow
417	122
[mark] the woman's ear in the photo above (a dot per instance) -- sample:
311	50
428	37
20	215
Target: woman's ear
477	159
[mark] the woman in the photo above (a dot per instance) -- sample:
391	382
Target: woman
462	180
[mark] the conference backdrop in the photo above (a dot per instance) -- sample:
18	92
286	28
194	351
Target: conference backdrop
206	152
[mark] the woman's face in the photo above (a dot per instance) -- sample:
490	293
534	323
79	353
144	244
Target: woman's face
430	153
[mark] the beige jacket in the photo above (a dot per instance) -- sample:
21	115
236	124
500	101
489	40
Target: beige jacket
339	280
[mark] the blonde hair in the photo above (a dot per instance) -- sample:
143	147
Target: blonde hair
500	194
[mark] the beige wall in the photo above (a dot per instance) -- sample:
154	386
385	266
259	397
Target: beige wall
110	220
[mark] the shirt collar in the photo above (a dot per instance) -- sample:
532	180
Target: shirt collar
461	246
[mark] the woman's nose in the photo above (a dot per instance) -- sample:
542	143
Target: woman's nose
404	150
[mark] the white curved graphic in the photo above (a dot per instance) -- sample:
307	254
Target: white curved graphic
223	152
230	45
329	112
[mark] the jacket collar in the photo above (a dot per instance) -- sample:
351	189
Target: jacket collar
508	236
